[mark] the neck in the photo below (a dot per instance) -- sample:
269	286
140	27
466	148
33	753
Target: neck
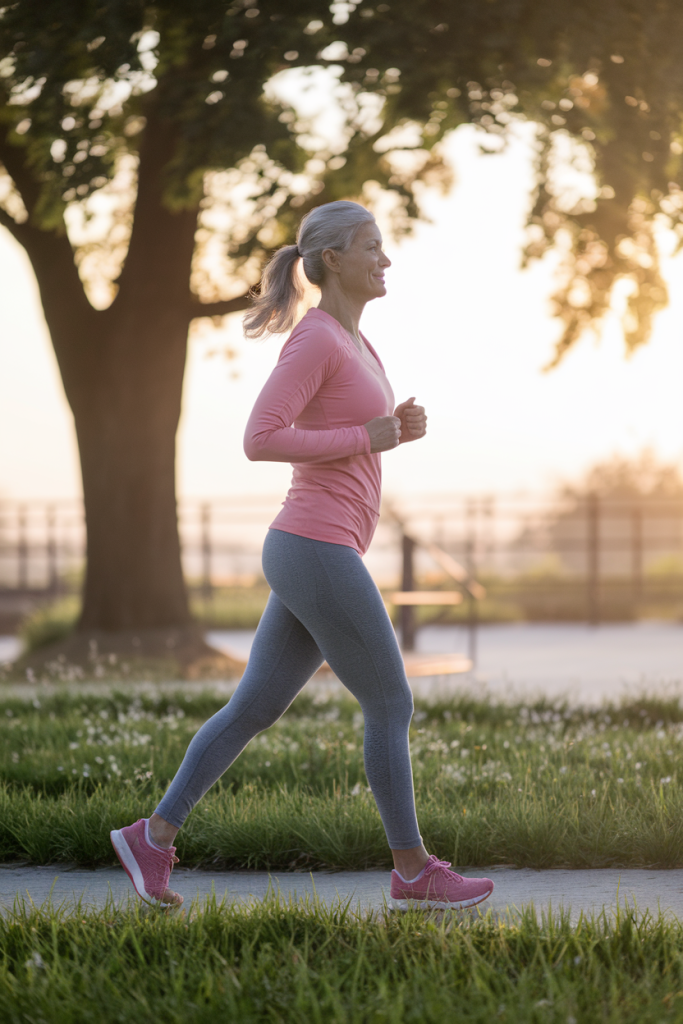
343	308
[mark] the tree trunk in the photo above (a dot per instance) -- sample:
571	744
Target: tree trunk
124	383
126	426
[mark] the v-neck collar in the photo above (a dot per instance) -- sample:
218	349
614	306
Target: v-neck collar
373	358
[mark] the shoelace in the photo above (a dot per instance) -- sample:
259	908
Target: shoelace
161	880
172	859
442	866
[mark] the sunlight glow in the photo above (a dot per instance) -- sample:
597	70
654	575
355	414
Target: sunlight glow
462	328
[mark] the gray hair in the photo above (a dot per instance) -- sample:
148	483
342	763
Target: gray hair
331	226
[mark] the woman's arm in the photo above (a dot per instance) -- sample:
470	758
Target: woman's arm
303	366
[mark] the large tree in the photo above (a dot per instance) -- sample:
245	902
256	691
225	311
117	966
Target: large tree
169	123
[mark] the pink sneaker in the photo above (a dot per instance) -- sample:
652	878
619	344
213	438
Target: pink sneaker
438	887
147	865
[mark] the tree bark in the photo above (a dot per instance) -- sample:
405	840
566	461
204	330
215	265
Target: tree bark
126	425
122	371
126	410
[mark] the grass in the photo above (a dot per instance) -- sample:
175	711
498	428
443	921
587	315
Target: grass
541	785
538	786
283	962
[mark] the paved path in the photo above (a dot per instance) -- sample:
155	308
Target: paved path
584	664
587	891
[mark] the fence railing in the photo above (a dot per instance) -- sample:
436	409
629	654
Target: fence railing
583	557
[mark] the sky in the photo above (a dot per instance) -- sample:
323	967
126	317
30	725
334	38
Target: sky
462	328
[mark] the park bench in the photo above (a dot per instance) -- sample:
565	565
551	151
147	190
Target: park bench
408	599
443	664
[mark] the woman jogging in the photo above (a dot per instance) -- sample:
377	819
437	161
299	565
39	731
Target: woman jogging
327	409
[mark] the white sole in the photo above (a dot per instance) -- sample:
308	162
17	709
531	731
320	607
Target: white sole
439	904
132	868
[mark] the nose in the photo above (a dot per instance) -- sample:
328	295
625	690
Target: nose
385	261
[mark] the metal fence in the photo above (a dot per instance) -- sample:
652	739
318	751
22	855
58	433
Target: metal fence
578	557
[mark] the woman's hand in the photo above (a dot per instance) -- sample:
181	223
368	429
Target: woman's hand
385	433
413	420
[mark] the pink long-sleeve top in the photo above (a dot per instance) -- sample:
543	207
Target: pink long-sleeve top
311	413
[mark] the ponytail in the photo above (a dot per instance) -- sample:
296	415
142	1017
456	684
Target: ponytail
331	226
274	309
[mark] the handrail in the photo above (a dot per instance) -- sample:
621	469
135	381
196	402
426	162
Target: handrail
449	564
456	571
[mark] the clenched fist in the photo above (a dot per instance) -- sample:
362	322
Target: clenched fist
385	433
413	420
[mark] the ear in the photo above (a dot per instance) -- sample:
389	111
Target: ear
330	258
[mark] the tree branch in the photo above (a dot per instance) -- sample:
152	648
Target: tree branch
24	182
49	251
19	231
29	237
52	260
221	308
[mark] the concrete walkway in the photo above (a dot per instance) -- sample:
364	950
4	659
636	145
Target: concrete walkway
588	891
521	661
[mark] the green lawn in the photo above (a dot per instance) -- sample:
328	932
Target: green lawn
541	786
278	962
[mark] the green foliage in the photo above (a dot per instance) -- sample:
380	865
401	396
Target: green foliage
620	479
49	623
667	565
232	607
544	786
228	608
287	962
84	84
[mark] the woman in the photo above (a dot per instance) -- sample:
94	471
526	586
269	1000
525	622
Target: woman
330	384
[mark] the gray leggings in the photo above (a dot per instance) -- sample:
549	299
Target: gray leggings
323	605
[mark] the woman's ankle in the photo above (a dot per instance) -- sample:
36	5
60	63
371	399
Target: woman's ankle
409	863
161	832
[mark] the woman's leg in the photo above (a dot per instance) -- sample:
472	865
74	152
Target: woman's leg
324	601
283	657
329	590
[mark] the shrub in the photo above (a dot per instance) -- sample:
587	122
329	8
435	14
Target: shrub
50	623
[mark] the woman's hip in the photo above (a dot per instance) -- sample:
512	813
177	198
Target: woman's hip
322	582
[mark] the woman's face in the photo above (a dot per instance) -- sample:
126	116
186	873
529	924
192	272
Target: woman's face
360	270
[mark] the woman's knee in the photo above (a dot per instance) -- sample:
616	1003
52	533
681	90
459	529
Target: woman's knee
406	710
260	718
394	710
250	719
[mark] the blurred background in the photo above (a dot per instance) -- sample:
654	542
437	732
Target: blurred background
559	491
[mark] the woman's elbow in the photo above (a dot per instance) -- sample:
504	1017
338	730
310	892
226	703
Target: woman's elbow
253	450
